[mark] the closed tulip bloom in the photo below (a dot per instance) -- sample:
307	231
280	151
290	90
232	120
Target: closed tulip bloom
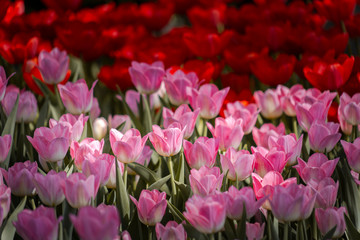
294	96
326	193
20	177
125	235
255	231
228	131
167	142
38	224
100	223
307	113
202	153
238	164
266	161
99	128
292	203
5	200
205	181
346	128
172	231
77	97
147	78
316	169
86	146
5	145
182	115
79	189
289	145
329	218
151	206
99	166
247	113
323	136
208	99
206	214
261	135
237	199
53	65
127	147
269	103
3	82
176	85
349	108
50	187
352	151
75	124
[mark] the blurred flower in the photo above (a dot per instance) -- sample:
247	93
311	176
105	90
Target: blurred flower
254	231
5	200
172	231
99	128
326	193
3	82
5	145
349	108
352	151
329	218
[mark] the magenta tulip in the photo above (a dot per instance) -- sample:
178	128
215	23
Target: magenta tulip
238	164
307	113
247	113
172	231
205	181
202	153
74	123
99	166
86	146
53	65
167	142
5	145
323	136
329	218
352	151
261	135
145	77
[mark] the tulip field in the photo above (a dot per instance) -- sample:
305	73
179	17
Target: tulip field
183	119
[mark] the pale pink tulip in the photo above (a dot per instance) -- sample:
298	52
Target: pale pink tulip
53	65
74	123
308	113
261	135
125	235
349	108
254	231
352	151
346	128
99	166
5	145
151	206
330	218
237	164
202	153
247	113
208	99
266	161
77	97
269	103
86	146
205	181
323	136
3	82
99	128
5	200
116	120
167	142
326	193
314	95
145	77
289	145
172	231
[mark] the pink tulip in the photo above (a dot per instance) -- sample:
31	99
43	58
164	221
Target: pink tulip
261	136
269	103
125	235
266	161
294	97
264	187
86	146
50	187
99	166
349	108
97	223
289	145
352	152
237	199
316	169
254	231
99	128
206	214
202	153
38	224
27	110
176	85
127	147
111	183
5	200
238	164
205	181
308	113
20	177
247	113
346	128
172	231
292	203
144	159
314	95
53	65
182	115
323	136
355	176
5	145
75	124
326	193
228	131
3	82
95	109
145	77
208	99
77	98
151	206
330	218
79	189
167	142
116	120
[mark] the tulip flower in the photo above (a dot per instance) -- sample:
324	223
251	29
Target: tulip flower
289	145
326	193
97	223
99	128
228	131
205	181
202	153
172	231
111	183
5	145
323	136
247	113
307	113
238	164
99	166
127	147
86	146
5	200
208	99
95	109
77	98
352	151
151	206
182	115
50	187
145	77
261	135
269	103
294	97
329	218
75	124
206	214
3	82
144	159
53	65
349	108
334	10
38	224
20	177
167	142
266	161
116	120
255	231
79	189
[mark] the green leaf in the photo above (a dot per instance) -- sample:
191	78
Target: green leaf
351	230
192	233
44	89
147	118
122	197
184	189
179	176
241	228
9	230
330	233
178	216
230	229
159	183
43	115
148	175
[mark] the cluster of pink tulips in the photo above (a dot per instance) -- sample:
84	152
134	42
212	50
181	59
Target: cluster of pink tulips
262	169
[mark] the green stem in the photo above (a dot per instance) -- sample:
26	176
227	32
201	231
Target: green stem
204	133
212	236
295	128
286	231
32	202
125	175
355	132
149	232
171	170
314	227
148	119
